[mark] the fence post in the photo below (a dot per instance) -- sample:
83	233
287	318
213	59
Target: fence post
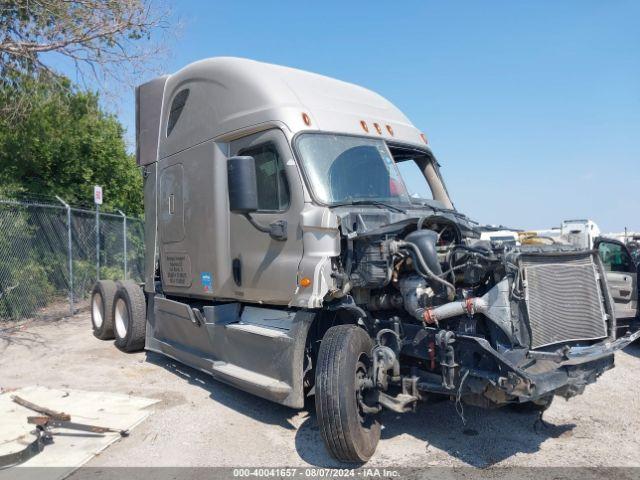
124	240
69	252
97	242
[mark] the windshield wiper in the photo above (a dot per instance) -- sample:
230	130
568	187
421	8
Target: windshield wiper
421	202
376	203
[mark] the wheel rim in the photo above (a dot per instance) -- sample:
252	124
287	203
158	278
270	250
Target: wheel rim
96	309
121	318
362	368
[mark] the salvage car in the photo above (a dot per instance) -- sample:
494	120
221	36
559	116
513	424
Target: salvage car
622	277
285	256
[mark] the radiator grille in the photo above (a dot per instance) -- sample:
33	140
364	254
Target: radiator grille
564	300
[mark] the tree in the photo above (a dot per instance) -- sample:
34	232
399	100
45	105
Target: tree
64	145
111	37
101	40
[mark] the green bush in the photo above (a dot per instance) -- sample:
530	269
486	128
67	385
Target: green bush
27	289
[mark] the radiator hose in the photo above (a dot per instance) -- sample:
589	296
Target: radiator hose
469	306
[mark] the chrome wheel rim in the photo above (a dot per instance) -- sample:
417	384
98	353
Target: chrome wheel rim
96	309
121	318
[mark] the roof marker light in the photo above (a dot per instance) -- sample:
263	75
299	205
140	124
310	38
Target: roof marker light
390	130
364	126
306	119
424	139
378	129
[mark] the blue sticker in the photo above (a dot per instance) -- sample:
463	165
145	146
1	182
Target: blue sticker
207	281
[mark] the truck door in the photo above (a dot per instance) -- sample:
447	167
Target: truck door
265	269
622	276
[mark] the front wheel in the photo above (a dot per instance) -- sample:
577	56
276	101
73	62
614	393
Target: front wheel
349	433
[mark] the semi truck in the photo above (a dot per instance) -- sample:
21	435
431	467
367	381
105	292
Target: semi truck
285	256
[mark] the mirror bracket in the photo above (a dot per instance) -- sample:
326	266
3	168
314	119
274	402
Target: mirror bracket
276	230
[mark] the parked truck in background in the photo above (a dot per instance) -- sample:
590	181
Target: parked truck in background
285	256
581	233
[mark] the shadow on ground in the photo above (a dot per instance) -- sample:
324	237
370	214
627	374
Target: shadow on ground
245	403
489	436
21	337
633	349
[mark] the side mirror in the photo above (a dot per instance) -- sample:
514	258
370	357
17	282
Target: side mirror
243	187
243	195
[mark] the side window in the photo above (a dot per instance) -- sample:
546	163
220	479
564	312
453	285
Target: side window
273	189
179	101
416	184
614	257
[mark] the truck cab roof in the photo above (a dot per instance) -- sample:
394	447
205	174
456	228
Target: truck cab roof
214	97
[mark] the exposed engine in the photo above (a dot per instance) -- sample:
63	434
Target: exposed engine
450	304
421	269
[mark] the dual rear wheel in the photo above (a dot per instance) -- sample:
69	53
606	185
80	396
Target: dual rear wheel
118	310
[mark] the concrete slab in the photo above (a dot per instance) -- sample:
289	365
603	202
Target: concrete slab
71	448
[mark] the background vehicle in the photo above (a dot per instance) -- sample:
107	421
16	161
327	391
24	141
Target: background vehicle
500	235
286	256
622	277
634	250
581	233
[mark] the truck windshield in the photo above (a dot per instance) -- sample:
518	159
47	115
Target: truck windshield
343	169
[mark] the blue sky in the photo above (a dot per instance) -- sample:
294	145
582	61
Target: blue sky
532	108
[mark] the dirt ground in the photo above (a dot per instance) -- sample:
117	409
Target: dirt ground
201	422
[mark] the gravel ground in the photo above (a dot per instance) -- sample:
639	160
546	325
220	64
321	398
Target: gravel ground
201	422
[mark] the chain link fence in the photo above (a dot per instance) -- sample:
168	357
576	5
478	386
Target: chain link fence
49	257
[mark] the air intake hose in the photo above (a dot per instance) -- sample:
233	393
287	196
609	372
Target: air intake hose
422	248
426	241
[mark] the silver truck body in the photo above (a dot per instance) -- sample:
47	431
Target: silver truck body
233	103
249	307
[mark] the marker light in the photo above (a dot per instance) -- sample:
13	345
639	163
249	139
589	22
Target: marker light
305	282
424	139
363	124
306	119
378	129
390	130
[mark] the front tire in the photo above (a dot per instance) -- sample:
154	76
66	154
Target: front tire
349	434
129	317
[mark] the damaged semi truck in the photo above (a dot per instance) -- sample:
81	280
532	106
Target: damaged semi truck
300	241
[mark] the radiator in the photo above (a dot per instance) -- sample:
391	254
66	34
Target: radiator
563	298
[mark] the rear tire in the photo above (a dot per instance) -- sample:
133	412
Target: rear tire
349	434
129	317
102	297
